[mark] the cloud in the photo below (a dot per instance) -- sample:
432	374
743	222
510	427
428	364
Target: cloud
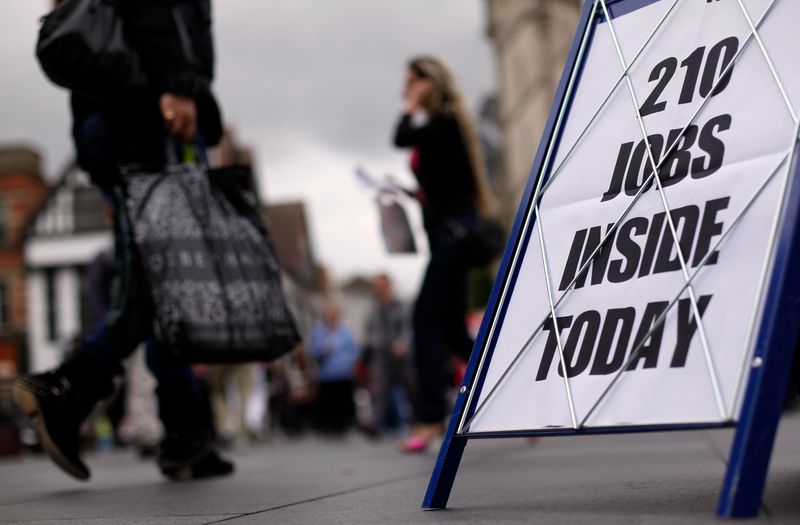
32	111
332	71
313	86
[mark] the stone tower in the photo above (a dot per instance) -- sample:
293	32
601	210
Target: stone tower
531	40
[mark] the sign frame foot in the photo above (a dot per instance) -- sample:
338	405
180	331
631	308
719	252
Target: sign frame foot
444	472
757	427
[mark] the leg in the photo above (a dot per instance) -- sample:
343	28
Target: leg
431	357
243	376
430	354
183	404
439	329
323	407
348	404
63	398
342	405
219	403
142	406
187	451
379	391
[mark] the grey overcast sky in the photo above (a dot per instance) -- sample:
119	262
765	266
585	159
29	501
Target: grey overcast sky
313	86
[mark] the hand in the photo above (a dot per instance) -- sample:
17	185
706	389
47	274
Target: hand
399	350
180	116
417	93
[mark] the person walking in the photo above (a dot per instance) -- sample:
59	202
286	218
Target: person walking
334	348
387	352
447	161
112	130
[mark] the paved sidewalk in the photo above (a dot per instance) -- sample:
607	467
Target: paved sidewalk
637	478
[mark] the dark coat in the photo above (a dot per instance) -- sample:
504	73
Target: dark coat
443	167
152	31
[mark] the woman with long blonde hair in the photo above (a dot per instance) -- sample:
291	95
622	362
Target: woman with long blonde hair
447	160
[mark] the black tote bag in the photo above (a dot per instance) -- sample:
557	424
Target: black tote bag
478	241
214	279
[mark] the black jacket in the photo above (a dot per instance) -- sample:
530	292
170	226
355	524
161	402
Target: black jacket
152	31
443	170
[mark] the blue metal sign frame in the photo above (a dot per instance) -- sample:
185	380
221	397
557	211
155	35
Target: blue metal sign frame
778	330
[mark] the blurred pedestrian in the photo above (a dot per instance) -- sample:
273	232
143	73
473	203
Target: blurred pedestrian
447	161
334	348
247	382
112	129
292	392
387	354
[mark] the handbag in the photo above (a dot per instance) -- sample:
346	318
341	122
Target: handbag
214	279
81	46
478	241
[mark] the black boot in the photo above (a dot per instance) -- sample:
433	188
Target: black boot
62	399
191	456
187	451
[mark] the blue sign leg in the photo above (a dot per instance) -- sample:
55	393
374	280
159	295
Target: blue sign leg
769	374
755	437
444	472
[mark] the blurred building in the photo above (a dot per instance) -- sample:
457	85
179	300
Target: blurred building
491	137
531	40
357	300
67	232
291	239
21	192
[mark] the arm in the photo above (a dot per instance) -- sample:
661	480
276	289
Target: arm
436	130
315	342
173	40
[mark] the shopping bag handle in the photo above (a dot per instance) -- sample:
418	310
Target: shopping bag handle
178	152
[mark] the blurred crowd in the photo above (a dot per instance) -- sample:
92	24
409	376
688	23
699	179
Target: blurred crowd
331	385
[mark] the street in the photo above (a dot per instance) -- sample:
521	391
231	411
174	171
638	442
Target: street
670	477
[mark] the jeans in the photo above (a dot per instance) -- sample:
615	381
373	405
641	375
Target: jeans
183	404
439	321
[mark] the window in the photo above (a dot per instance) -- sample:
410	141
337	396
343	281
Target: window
4	306
50	303
89	210
3	223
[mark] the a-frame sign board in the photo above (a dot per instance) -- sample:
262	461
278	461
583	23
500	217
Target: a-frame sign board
675	297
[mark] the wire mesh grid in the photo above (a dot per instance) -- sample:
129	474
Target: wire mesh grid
602	20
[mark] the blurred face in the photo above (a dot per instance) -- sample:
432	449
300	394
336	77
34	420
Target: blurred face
331	315
418	88
382	287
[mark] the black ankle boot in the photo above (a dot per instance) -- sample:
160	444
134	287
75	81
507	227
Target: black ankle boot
62	399
189	456
188	452
52	398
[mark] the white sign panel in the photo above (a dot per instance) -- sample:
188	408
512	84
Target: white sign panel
709	102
